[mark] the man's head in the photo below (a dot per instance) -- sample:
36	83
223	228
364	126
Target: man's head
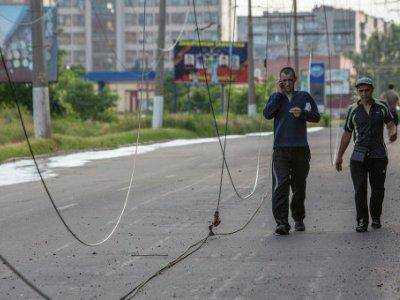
287	79
365	88
391	86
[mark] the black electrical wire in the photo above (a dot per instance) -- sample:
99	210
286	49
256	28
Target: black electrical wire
211	104
193	248
228	103
188	252
200	243
15	96
13	89
23	278
44	184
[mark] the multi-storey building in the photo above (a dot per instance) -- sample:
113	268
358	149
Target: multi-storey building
108	34
348	31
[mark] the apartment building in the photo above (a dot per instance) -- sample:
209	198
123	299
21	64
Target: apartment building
107	35
348	31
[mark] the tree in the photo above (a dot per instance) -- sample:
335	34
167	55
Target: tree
380	57
183	98
23	92
78	97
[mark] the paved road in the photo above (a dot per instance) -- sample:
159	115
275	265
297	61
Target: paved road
174	197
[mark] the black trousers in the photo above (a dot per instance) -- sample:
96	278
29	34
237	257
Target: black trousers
290	168
373	169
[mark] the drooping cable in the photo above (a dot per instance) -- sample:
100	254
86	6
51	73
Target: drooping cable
23	278
193	248
232	39
200	243
214	115
44	184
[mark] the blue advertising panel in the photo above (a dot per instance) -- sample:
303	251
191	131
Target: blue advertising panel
16	43
188	62
317	82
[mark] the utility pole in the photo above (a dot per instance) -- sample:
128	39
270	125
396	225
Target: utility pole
120	31
146	66
224	105
158	102
40	91
295	42
251	106
224	102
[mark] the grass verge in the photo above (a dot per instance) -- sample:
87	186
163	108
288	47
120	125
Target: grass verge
71	134
64	143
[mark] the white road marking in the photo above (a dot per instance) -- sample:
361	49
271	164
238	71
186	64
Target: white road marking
68	206
59	249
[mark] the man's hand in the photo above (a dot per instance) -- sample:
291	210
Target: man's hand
392	132
393	138
296	111
279	86
338	163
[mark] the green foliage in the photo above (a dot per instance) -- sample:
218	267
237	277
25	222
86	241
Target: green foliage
23	92
185	98
199	124
65	143
10	127
70	95
325	119
72	133
77	97
380	58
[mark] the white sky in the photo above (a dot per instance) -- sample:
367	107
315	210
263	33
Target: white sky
389	11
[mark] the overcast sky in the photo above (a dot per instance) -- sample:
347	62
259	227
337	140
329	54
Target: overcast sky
373	7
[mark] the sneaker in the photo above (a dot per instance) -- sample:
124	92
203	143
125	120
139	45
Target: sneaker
362	226
282	229
376	223
299	226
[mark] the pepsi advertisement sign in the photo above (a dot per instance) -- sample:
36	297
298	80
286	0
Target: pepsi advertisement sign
317	82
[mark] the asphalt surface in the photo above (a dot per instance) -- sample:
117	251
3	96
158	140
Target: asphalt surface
174	198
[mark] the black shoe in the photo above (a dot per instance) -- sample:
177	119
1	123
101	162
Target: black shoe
376	223
362	226
282	230
299	226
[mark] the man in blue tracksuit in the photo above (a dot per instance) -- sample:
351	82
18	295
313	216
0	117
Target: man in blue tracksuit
291	110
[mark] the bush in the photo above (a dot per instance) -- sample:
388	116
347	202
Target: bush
180	97
325	120
10	126
87	104
78	97
23	93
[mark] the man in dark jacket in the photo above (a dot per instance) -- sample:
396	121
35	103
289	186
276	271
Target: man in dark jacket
366	118
291	110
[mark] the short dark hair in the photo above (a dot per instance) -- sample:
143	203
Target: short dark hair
288	71
391	86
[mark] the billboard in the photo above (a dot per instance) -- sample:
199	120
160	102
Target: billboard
339	84
16	42
304	81
317	82
188	62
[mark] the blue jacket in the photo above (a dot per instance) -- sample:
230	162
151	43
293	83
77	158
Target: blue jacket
288	130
